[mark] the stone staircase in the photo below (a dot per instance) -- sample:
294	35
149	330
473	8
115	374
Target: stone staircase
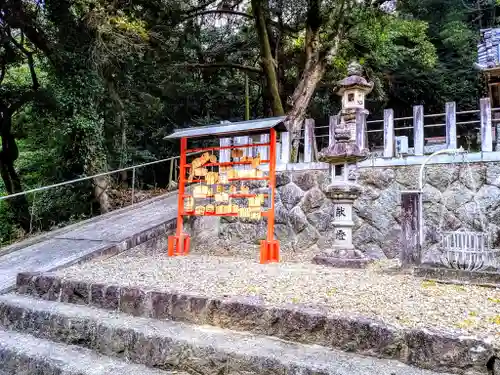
102	330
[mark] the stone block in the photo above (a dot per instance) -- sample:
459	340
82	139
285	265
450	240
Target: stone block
48	287
75	292
312	201
25	282
240	313
364	336
134	301
291	195
305	180
442	351
105	296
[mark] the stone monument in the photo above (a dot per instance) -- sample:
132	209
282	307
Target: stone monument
347	149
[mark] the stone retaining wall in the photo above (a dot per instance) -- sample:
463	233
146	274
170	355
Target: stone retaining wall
454	198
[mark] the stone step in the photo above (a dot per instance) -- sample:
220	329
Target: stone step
27	355
197	349
438	350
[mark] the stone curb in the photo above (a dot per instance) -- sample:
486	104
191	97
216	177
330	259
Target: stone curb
142	239
439	351
481	278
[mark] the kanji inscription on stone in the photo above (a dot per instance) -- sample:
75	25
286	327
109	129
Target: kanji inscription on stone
340	235
340	211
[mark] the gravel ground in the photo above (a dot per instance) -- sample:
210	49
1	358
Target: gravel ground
397	299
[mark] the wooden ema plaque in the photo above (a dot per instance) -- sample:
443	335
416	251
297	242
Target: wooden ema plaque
207	179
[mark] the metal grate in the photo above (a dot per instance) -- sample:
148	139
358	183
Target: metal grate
468	251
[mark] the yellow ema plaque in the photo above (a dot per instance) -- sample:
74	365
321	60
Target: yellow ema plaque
200	172
211	178
201	191
255	215
199	210
222	197
210	209
188	204
256	161
244	212
223	178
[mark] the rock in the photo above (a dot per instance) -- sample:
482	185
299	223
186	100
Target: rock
280	214
455	196
298	219
438	219
407	177
369	193
431	194
440	177
285	234
473	176
493	174
488	198
282	179
322	219
380	178
290	195
307	238
380	212
305	180
249	233
313	199
373	251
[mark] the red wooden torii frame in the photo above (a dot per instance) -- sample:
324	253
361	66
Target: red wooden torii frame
179	243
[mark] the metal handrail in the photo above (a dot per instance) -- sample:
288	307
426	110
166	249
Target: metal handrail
43	188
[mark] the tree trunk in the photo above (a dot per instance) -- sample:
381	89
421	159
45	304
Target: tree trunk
97	163
10	177
268	62
100	193
312	75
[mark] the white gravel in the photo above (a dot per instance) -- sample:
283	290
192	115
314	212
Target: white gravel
397	299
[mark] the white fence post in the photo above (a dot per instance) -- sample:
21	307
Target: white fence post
309	141
361	134
451	125
418	129
486	136
388	133
285	147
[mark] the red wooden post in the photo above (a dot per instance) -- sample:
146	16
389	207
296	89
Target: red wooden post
269	248
179	244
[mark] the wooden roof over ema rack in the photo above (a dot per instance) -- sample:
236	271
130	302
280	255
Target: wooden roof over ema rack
223	130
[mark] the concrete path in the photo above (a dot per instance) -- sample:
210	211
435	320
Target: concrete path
98	235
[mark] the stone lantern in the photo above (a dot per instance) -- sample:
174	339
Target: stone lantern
342	154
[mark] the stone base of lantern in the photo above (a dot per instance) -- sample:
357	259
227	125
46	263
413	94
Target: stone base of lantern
341	253
342	259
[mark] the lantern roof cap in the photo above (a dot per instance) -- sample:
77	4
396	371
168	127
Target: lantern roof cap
354	80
